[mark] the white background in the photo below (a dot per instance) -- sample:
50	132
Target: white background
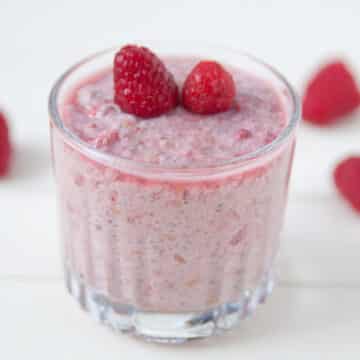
314	313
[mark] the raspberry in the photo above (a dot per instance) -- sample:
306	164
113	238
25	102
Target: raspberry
5	146
208	89
347	180
331	94
143	86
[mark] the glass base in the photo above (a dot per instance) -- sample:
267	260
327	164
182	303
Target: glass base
173	328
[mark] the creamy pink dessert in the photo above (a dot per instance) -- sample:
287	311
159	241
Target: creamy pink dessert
172	246
176	214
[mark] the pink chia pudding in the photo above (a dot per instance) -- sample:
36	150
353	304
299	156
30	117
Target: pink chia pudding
164	242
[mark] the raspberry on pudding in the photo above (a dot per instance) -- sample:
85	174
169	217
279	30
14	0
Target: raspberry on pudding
143	86
208	89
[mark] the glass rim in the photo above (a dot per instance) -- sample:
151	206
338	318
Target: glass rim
121	163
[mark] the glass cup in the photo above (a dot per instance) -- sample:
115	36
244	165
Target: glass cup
170	254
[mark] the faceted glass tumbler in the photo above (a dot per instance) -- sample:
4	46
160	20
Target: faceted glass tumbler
170	254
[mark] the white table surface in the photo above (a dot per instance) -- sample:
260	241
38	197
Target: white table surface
314	312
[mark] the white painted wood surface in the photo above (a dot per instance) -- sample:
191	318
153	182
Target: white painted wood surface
313	314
